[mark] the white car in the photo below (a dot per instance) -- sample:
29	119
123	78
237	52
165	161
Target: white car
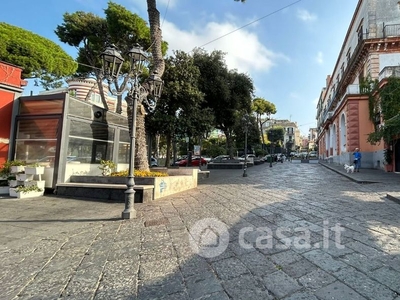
249	156
154	162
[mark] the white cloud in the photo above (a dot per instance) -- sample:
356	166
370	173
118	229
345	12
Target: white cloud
306	16
169	3
319	58
243	49
315	101
294	95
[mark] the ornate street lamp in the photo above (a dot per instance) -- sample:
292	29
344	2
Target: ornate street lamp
148	92
245	121
271	135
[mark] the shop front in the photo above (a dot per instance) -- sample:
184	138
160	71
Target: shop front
68	136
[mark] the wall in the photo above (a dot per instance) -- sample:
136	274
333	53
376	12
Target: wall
10	89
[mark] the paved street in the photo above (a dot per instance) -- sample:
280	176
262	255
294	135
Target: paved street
294	231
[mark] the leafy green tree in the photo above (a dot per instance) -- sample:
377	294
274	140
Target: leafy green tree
387	101
39	57
156	36
261	107
253	136
179	112
226	92
90	33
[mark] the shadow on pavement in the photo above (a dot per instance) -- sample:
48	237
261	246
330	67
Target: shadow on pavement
275	228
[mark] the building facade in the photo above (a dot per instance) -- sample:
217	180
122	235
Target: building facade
291	139
371	46
11	87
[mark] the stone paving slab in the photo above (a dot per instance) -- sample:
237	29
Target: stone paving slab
294	231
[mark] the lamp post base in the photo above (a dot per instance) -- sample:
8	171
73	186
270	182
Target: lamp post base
126	215
129	212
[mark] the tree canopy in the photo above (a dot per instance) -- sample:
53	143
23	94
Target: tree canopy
387	101
39	57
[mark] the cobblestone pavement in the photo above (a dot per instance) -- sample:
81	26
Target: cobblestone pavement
55	248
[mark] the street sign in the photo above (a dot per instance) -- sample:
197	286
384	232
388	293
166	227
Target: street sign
196	149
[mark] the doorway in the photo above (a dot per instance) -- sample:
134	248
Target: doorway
397	155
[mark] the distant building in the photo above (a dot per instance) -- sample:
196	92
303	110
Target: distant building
291	139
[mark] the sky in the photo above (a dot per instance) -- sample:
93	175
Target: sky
287	47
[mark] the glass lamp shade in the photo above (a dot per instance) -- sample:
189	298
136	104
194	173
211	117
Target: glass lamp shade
156	83
137	58
112	61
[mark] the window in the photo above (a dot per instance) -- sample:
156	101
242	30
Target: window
47	107
95	98
348	55
360	31
36	140
90	142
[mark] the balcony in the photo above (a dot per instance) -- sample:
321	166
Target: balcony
390	71
352	89
391	30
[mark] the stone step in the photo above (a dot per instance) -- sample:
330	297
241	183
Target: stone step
100	191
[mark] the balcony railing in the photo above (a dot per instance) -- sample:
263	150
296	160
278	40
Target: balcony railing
390	71
391	30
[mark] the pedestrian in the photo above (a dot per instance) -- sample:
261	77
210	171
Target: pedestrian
357	160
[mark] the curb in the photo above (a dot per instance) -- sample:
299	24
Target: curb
348	176
393	198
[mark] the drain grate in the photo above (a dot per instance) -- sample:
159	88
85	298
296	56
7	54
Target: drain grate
156	222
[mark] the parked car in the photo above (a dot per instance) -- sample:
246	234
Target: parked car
153	162
251	156
195	162
312	154
219	158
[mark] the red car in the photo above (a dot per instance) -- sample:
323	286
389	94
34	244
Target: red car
195	162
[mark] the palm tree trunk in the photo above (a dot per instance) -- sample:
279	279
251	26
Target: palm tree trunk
156	37
141	161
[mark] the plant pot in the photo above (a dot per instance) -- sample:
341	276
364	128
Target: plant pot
389	168
38	183
4	190
17	169
14	183
22	195
34	170
23	177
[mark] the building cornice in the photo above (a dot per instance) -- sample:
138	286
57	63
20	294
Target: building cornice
10	88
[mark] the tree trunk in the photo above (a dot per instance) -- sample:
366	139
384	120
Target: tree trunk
141	160
229	143
101	90
156	37
168	141
262	136
118	107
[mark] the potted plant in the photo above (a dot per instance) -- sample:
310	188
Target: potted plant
26	191
34	169
388	157
107	167
17	166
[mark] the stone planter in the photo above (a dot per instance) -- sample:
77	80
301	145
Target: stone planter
17	169
23	177
22	195
34	170
4	190
389	168
38	183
